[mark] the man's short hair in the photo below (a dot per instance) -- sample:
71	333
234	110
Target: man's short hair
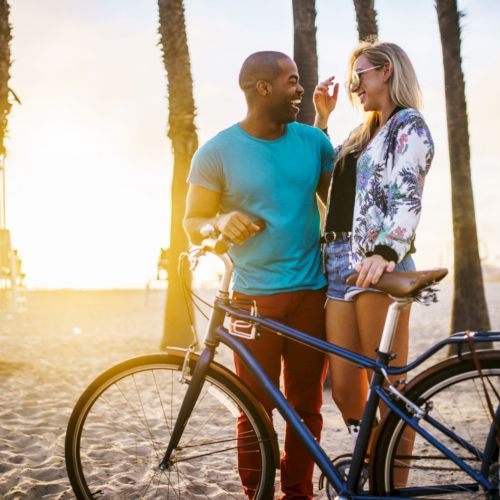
260	66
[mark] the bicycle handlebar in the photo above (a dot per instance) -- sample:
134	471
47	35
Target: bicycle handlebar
218	246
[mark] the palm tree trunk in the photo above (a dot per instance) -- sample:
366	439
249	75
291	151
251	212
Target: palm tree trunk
469	310
5	105
305	54
5	38
306	57
5	246
182	133
366	17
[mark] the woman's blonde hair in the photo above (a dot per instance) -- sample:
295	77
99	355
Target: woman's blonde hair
403	88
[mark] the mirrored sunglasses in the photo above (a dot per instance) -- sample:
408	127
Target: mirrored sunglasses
355	80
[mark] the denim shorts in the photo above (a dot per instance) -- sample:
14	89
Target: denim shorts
339	268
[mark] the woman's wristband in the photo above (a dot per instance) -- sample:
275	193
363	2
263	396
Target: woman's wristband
386	252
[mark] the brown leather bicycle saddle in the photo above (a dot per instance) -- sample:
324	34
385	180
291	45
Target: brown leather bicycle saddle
404	284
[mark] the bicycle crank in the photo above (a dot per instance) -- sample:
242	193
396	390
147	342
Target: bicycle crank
342	463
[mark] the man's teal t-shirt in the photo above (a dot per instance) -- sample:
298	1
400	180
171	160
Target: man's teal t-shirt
275	181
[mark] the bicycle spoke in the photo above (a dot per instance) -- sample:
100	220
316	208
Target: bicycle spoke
136	413
158	485
206	443
130	420
161	403
143	493
455	399
215	452
145	417
179	475
119	414
201	399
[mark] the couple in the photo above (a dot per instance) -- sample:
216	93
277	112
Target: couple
269	167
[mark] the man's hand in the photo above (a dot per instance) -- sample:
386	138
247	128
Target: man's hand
371	269
236	227
324	102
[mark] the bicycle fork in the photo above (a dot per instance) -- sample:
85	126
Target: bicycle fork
190	398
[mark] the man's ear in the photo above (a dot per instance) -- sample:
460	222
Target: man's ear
263	87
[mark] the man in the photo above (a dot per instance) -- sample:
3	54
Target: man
269	167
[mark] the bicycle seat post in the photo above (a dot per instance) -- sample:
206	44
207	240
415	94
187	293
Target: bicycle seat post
391	323
369	414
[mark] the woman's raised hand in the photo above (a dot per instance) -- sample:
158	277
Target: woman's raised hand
324	101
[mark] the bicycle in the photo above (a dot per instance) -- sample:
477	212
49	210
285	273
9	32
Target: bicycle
146	427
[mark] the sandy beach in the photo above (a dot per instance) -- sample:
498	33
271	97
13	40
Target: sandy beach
64	339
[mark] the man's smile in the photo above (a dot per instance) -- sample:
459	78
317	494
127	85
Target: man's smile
296	103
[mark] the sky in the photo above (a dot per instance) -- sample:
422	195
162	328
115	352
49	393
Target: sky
89	165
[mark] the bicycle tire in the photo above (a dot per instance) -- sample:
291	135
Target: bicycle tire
451	387
113	446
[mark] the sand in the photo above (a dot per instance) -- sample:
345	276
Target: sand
64	339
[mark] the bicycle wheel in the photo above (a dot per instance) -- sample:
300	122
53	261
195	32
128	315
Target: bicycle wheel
120	427
454	392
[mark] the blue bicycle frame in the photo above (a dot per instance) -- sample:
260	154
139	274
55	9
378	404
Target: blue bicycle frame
216	333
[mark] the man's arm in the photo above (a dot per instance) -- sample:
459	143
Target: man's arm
202	207
323	186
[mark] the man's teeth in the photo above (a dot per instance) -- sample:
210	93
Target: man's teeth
296	102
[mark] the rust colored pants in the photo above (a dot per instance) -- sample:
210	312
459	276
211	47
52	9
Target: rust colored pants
304	371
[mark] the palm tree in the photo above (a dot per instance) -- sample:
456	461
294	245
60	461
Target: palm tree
5	105
305	54
5	38
182	133
366	18
469	310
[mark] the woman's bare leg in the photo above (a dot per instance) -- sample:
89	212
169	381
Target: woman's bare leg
349	383
371	311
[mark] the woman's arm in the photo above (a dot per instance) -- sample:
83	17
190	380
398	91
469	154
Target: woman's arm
411	156
324	102
412	153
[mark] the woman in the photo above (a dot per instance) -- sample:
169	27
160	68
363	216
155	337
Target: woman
374	207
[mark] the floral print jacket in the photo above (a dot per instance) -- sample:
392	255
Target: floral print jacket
390	176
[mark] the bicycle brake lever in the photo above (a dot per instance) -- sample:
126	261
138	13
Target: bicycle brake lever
218	245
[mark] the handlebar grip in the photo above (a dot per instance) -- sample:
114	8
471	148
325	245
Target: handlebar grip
218	246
